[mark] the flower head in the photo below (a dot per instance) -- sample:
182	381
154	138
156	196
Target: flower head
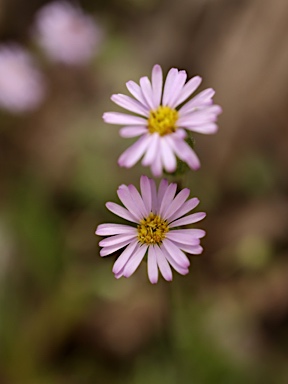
161	124
66	33
21	84
156	216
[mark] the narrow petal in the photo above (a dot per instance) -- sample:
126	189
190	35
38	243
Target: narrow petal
156	166
132	131
128	201
177	255
192	249
206	129
121	212
147	91
157	84
135	152
178	268
185	236
130	104
188	89
117	239
178	87
161	191
136	91
186	153
185	208
113	248
152	265
179	200
167	198
194	218
167	155
169	85
123	119
125	256
134	261
205	115
113	229
137	199
146	193
163	264
202	99
154	196
152	150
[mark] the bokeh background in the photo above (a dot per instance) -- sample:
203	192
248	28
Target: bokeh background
63	316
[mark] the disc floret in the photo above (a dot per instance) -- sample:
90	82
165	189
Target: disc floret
163	120
152	229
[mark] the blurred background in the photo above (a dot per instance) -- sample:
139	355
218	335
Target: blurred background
64	318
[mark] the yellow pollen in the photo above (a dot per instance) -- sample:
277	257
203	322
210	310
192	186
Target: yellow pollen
163	120
152	229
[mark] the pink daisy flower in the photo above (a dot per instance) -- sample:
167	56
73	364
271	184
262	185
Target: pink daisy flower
66	33
156	216
160	123
22	86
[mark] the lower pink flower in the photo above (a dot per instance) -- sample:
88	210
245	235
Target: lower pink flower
156	217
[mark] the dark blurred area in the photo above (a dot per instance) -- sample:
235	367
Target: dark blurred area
64	318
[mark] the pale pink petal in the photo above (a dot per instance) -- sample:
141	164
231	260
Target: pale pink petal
154	196
113	229
128	201
185	236
152	265
177	255
179	200
163	264
156	166
169	85
123	119
146	193
135	152
137	199
117	239
135	260
186	153
178	87
121	212
194	218
125	256
185	208
188	89
113	248
192	249
178	268
136	91
132	131
157	84
130	104
206	129
161	191
202	116
152	150
147	91
202	99
167	198
168	158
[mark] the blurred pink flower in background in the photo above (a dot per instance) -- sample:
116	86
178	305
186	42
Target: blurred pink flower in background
157	217
22	86
66	33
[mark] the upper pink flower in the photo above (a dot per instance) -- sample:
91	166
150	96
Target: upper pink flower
162	121
66	33
156	218
22	86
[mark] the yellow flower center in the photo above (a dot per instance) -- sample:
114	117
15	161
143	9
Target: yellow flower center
163	120
152	229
